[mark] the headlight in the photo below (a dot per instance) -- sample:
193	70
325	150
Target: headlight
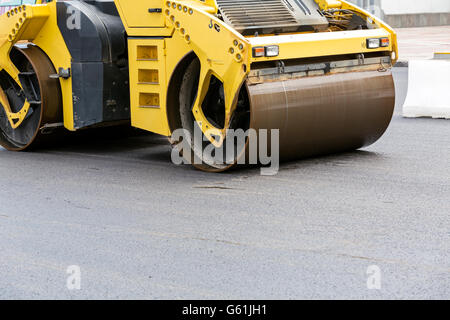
373	43
267	51
272	51
377	43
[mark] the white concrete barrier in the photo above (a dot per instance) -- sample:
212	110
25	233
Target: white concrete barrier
428	89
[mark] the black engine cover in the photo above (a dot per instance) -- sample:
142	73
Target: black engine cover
97	41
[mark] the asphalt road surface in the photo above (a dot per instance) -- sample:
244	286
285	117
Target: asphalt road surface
138	226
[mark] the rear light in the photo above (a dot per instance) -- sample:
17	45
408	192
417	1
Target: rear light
373	43
258	52
384	42
268	51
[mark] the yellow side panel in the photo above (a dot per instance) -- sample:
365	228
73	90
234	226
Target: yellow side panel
321	44
137	13
148	85
139	22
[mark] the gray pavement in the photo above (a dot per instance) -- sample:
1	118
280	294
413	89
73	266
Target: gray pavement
140	227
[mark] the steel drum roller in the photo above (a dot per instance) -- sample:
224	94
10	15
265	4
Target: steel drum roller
324	114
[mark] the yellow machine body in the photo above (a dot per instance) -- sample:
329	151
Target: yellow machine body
225	54
37	24
160	34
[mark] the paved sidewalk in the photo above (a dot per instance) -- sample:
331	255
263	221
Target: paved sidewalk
422	43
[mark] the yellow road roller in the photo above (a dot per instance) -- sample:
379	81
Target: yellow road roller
317	71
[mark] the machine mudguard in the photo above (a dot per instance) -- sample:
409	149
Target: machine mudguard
96	39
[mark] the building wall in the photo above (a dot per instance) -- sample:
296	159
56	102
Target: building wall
409	13
406	6
415	6
6	5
